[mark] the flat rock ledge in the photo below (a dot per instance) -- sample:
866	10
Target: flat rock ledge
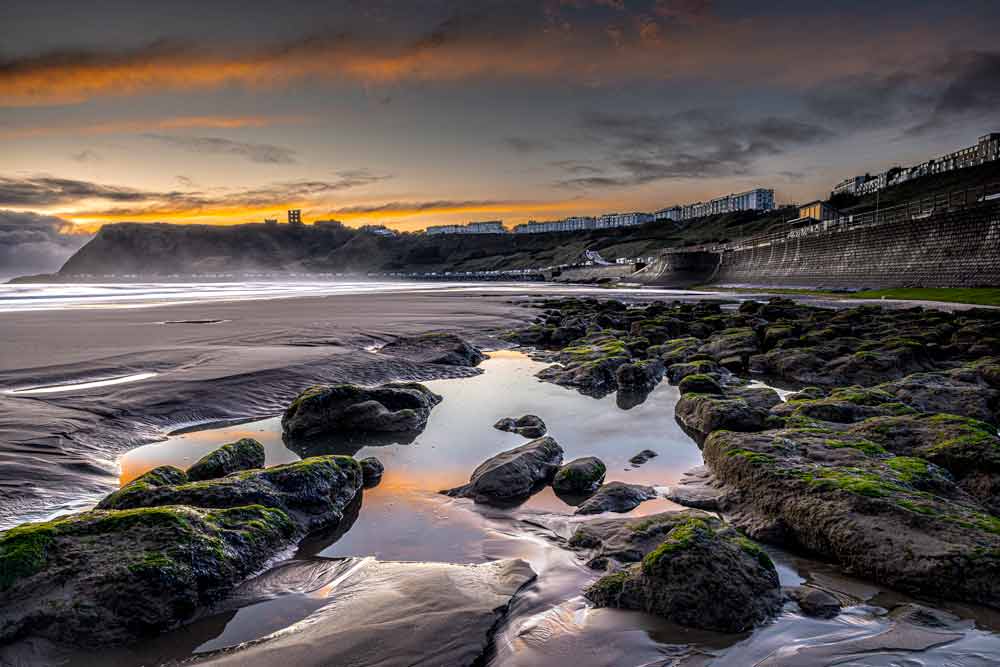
394	615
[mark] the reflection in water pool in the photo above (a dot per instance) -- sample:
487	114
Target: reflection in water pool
404	518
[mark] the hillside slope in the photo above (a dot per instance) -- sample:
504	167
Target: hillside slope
165	249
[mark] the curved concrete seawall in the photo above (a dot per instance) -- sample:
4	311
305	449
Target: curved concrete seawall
958	248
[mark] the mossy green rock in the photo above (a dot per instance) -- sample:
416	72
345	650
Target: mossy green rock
244	454
699	383
312	491
105	577
701	574
899	520
580	476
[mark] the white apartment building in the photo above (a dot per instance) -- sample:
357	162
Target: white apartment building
486	227
758	199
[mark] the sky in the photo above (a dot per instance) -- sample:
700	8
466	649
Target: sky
442	111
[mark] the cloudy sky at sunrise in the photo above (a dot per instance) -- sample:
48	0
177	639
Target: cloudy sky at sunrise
414	113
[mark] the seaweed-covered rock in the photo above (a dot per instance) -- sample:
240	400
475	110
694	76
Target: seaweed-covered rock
677	372
371	471
313	491
639	376
579	476
513	475
435	348
898	520
104	577
699	383
393	407
700	414
529	426
702	574
244	454
616	497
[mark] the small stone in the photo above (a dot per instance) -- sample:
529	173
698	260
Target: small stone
371	471
580	476
642	457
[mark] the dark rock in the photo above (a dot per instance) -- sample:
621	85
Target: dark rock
579	476
677	372
699	489
160	549
642	457
512	476
392	407
616	497
807	394
529	426
702	574
895	520
244	454
700	414
371	471
814	601
639	376
435	348
699	384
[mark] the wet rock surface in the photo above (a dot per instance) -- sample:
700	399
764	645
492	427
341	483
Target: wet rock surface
579	476
529	426
513	475
814	601
642	457
391	614
701	573
244	454
616	497
329	410
161	548
435	348
371	471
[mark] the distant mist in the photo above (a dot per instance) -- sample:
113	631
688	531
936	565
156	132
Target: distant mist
32	243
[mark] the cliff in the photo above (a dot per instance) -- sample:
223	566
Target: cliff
166	249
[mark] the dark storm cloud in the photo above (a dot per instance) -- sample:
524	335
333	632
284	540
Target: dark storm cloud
973	90
924	98
699	143
48	190
264	153
31	243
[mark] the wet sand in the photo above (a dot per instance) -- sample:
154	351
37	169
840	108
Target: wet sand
213	361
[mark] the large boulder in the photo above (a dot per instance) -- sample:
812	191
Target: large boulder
244	454
389	408
702	574
313	491
435	348
899	520
616	497
513	475
160	549
579	476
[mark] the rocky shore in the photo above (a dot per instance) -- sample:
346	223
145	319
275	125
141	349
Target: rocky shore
881	457
885	461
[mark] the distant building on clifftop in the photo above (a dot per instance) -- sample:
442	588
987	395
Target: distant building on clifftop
758	199
294	216
986	149
486	227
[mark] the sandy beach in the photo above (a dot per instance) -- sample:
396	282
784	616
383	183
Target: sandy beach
213	361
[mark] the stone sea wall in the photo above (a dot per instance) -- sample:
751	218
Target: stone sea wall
959	248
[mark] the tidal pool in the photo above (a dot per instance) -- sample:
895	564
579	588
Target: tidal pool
550	623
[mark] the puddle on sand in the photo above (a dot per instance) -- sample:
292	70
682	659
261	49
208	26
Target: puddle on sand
404	518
